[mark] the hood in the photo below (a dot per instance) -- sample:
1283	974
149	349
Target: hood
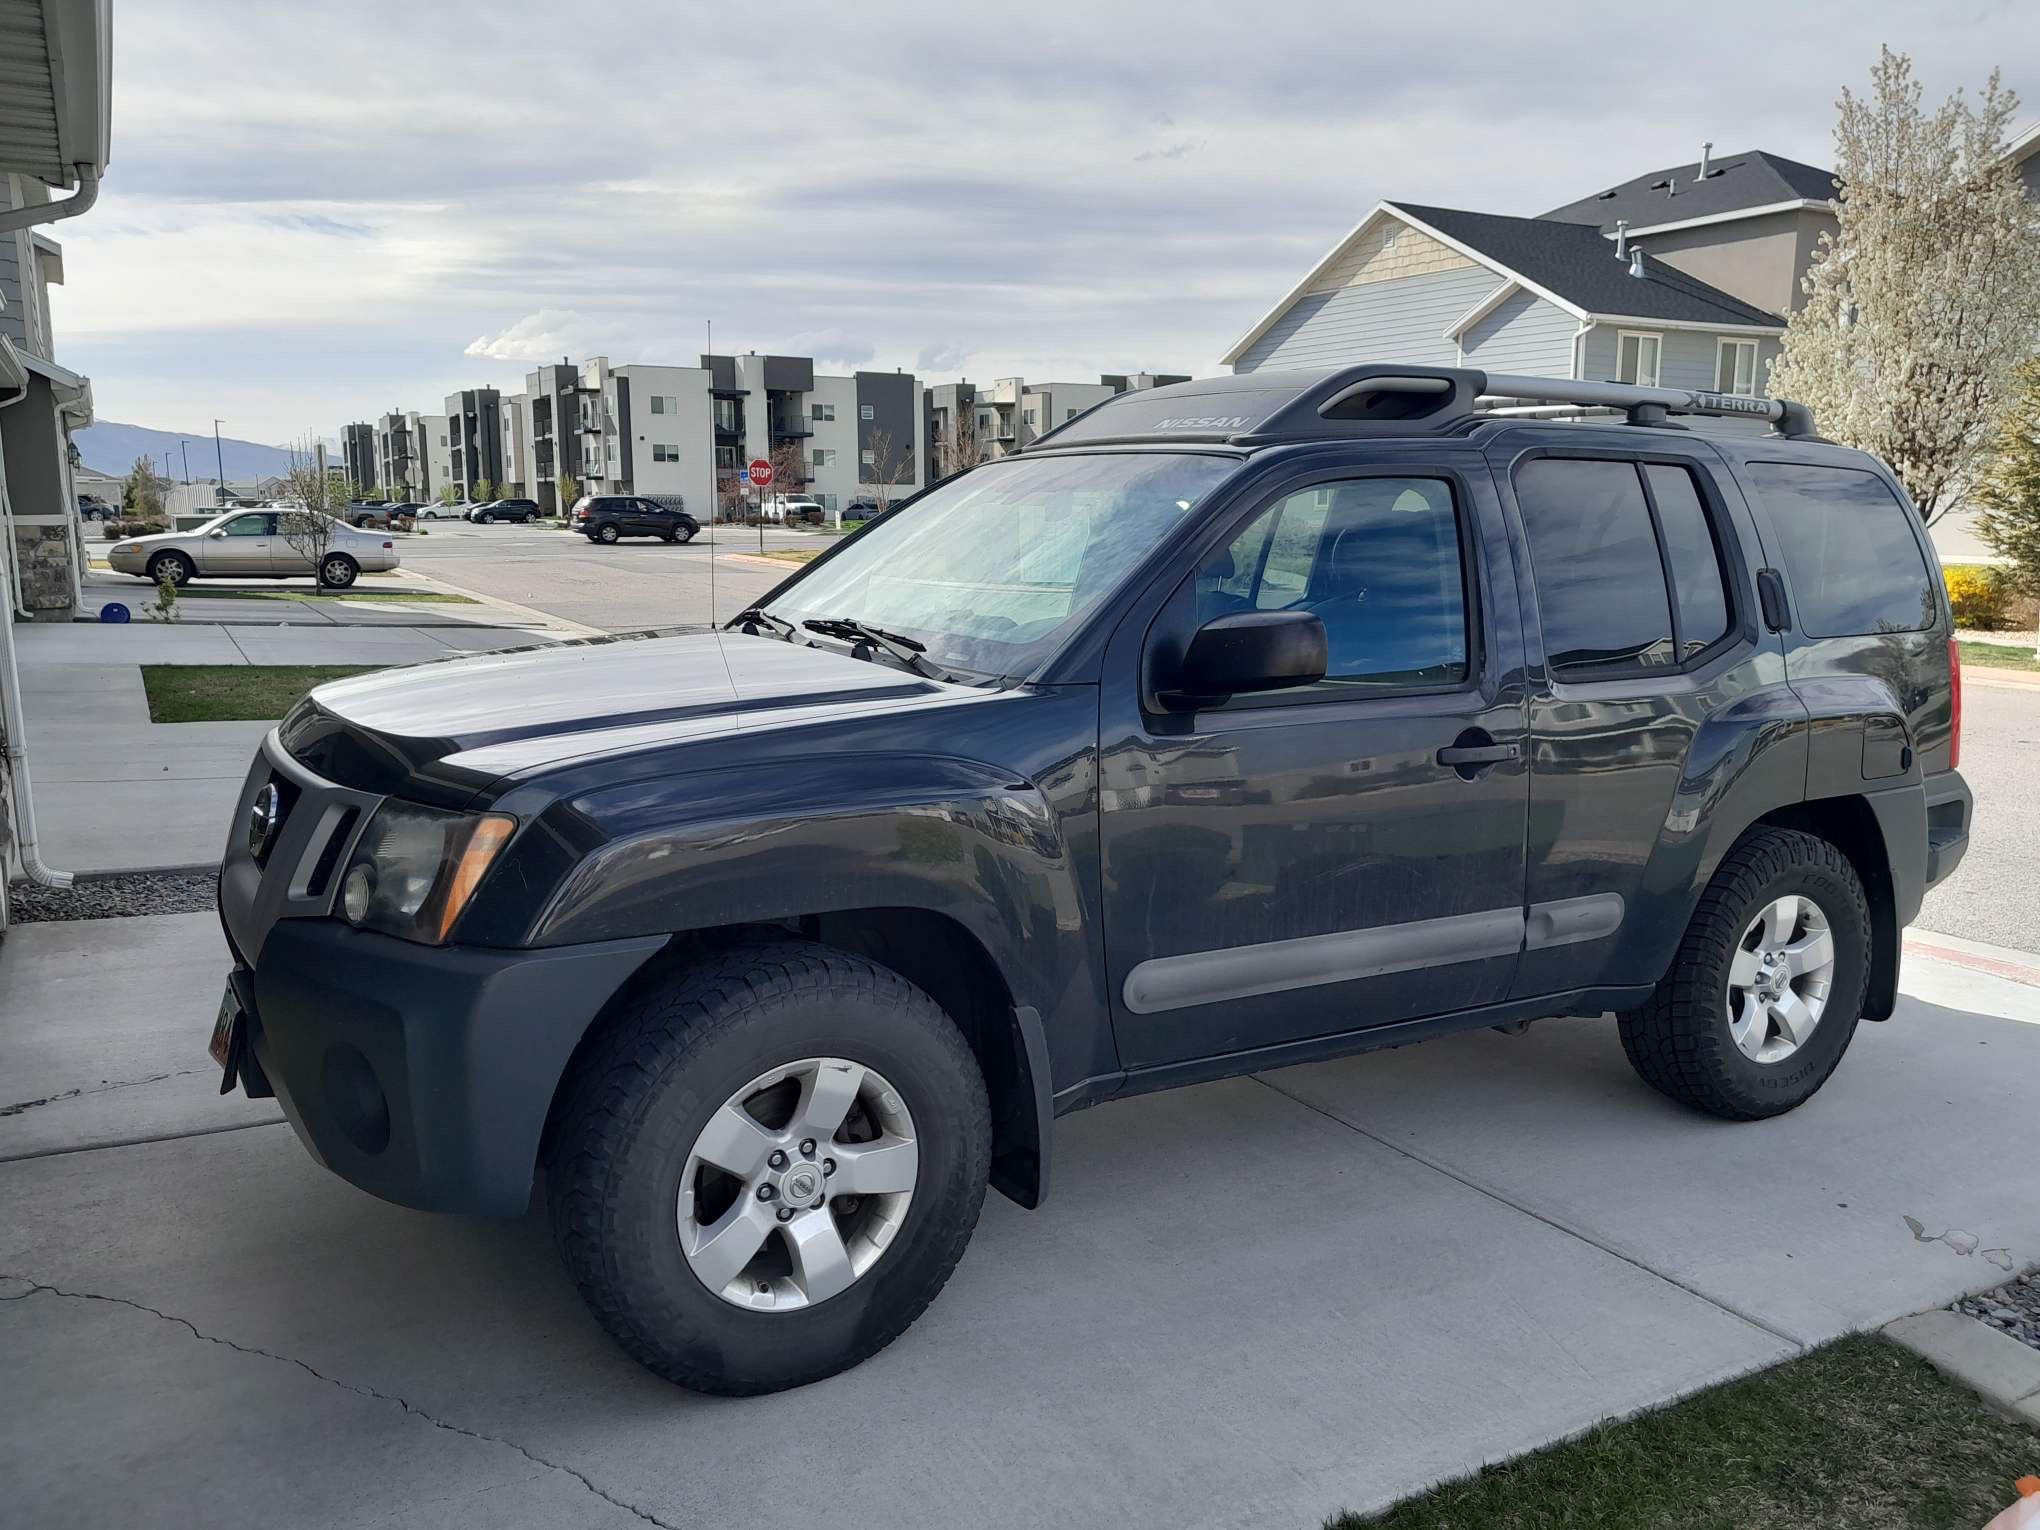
459	724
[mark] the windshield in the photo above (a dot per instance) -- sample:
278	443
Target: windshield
992	571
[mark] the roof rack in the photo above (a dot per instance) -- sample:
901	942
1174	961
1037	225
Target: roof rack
1267	408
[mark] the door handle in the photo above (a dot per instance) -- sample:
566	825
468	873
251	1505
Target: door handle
1478	754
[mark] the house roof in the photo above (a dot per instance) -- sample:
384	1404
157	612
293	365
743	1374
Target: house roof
1736	184
55	96
1573	264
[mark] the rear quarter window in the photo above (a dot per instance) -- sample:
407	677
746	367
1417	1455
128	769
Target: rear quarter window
1855	563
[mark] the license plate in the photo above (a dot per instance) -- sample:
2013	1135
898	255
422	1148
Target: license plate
224	1024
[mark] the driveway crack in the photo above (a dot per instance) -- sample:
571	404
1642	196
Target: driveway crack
72	1094
38	1288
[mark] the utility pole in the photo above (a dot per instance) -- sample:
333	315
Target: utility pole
219	461
184	450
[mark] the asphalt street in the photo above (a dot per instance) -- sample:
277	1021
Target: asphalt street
625	588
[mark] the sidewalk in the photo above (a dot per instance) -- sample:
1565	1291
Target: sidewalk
1253	1302
292	603
117	792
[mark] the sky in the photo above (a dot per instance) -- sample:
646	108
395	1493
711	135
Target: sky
315	215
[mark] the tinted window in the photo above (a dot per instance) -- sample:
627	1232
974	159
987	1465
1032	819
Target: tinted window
248	526
1378	561
1594	557
1699	588
1856	566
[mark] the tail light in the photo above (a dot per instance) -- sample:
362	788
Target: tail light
1955	721
389	547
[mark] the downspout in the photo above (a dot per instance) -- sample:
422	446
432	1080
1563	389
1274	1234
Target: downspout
11	719
77	202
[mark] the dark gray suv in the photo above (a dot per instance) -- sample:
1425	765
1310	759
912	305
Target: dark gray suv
612	517
1229	725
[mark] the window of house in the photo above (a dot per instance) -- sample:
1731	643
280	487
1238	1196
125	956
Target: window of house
868	458
1855	564
984	420
1376	559
725	414
1735	368
658	404
1028	414
1627	565
665	452
1069	414
1636	358
824	456
864	412
826	413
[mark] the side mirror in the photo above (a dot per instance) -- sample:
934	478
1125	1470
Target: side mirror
219	536
1244	652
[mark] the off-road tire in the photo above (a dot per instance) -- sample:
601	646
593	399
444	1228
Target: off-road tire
181	570
637	1101
1678	1040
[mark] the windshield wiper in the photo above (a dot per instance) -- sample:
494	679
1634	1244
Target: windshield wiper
758	615
907	650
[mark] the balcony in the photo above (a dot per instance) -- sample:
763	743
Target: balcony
791	426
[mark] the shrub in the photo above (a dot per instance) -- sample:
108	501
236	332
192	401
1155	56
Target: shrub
116	530
1981	597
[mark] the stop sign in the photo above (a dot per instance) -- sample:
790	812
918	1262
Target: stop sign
761	473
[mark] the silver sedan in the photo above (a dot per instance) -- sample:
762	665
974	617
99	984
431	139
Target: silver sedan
253	544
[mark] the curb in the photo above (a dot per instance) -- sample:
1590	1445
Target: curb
2012	965
1995	1366
186	869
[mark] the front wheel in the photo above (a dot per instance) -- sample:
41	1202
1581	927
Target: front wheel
337	571
1763	996
172	565
769	1167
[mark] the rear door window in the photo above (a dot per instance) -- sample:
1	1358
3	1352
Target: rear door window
1855	564
1627	562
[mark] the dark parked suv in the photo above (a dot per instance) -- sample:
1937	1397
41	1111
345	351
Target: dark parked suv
612	517
519	512
1229	725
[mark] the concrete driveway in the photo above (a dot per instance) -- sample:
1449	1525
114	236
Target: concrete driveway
1251	1303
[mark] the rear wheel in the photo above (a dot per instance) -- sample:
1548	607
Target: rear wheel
173	566
1763	996
337	571
769	1166
607	533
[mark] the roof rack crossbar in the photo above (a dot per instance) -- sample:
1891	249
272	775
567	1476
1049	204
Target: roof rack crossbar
1647	405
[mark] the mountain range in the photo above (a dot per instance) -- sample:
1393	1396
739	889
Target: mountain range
108	446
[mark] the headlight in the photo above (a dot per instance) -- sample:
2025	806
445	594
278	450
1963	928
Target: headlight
126	547
414	869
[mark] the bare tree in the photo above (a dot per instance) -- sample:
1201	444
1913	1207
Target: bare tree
1922	305
731	497
789	468
958	447
889	470
315	496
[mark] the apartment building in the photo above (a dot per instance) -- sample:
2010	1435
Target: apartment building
357	455
963	423
402	456
677	432
474	449
516	425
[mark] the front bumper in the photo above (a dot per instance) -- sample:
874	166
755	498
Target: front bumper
126	563
422	1074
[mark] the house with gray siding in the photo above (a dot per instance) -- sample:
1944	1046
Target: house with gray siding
1446	287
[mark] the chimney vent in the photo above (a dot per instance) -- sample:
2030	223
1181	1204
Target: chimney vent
1706	152
1636	262
1621	238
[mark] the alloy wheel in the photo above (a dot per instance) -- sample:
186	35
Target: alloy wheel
797	1185
1779	977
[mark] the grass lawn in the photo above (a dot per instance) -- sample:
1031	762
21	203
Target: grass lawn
233	692
789	555
1999	655
1859	1433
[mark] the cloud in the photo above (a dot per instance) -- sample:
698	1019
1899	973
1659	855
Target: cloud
829	345
1173	151
948	357
542	336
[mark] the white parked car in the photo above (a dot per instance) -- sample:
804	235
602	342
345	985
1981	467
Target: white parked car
435	510
792	509
251	544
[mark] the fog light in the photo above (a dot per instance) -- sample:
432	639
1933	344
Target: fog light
354	894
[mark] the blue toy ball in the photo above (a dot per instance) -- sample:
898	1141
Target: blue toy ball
114	611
